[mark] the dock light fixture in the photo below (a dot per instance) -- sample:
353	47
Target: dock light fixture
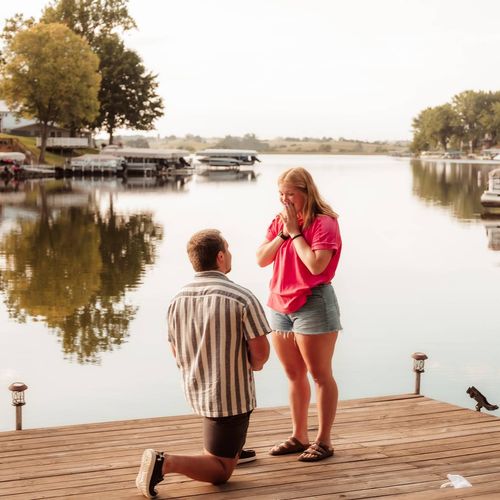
17	389
418	367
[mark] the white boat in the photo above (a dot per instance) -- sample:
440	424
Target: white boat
490	199
210	160
95	163
92	160
149	160
12	157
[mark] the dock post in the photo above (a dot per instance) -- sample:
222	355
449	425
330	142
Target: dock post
418	367
17	389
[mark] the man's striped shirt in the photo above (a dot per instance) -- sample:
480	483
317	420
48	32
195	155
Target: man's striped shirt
209	323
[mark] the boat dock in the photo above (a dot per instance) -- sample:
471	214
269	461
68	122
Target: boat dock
399	446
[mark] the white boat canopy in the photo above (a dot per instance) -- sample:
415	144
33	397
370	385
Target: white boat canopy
168	154
232	153
13	156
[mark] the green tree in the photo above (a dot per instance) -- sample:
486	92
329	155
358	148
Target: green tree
92	19
50	73
472	108
14	25
435	127
490	119
128	93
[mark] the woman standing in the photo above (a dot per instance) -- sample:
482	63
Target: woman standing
303	243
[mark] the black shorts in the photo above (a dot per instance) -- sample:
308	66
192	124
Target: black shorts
225	436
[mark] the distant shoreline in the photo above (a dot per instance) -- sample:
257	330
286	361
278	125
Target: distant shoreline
312	146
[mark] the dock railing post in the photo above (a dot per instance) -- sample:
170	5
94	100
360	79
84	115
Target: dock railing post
17	389
418	367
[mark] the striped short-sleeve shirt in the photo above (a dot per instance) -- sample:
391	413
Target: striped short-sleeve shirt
209	323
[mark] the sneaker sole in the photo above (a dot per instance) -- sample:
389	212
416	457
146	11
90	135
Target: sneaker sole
145	472
246	460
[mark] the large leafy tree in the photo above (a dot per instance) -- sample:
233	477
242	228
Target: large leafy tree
51	74
128	94
471	118
473	108
490	119
435	126
92	19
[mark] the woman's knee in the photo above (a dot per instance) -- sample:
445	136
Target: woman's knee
296	373
322	376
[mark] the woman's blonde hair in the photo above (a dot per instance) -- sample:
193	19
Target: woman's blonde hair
314	204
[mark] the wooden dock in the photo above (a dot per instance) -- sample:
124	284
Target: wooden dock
397	446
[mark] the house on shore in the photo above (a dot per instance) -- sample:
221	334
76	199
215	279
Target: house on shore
58	138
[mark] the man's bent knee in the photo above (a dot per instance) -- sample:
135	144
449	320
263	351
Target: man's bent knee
226	470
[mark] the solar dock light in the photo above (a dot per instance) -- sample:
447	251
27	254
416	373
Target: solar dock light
17	389
418	367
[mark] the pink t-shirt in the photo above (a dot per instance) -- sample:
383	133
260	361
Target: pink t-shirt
291	282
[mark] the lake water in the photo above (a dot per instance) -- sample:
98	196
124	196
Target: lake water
88	268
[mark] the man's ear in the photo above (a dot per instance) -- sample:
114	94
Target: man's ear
220	258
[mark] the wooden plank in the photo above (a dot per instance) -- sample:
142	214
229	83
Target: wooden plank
398	445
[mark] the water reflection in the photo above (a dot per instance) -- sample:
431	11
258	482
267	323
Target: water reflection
492	227
69	264
226	176
455	185
138	183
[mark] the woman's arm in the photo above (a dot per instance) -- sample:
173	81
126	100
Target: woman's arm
268	250
315	260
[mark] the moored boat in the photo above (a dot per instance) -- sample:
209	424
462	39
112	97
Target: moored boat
232	160
151	160
490	199
12	157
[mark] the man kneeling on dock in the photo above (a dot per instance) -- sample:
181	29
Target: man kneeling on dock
217	330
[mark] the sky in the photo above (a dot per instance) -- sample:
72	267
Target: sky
358	69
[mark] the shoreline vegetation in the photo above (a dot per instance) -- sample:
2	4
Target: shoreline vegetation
194	143
279	145
470	123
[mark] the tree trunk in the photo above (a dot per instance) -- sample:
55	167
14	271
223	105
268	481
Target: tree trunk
110	132
43	146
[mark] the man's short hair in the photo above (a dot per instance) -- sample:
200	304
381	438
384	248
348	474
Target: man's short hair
203	248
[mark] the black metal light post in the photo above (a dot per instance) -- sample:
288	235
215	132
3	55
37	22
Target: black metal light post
17	389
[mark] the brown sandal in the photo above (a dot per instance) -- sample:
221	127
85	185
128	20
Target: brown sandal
291	445
316	451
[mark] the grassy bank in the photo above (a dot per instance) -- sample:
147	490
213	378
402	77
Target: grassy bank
281	145
50	158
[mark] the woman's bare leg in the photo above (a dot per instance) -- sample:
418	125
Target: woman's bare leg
298	384
317	353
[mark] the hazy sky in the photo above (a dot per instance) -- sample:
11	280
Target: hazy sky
351	68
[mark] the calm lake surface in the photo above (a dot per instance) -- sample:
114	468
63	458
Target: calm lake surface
88	268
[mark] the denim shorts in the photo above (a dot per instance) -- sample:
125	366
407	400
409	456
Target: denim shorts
320	314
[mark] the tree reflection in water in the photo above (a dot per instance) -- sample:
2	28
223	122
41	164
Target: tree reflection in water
71	268
455	185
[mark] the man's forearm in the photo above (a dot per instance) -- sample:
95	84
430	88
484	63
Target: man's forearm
258	358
